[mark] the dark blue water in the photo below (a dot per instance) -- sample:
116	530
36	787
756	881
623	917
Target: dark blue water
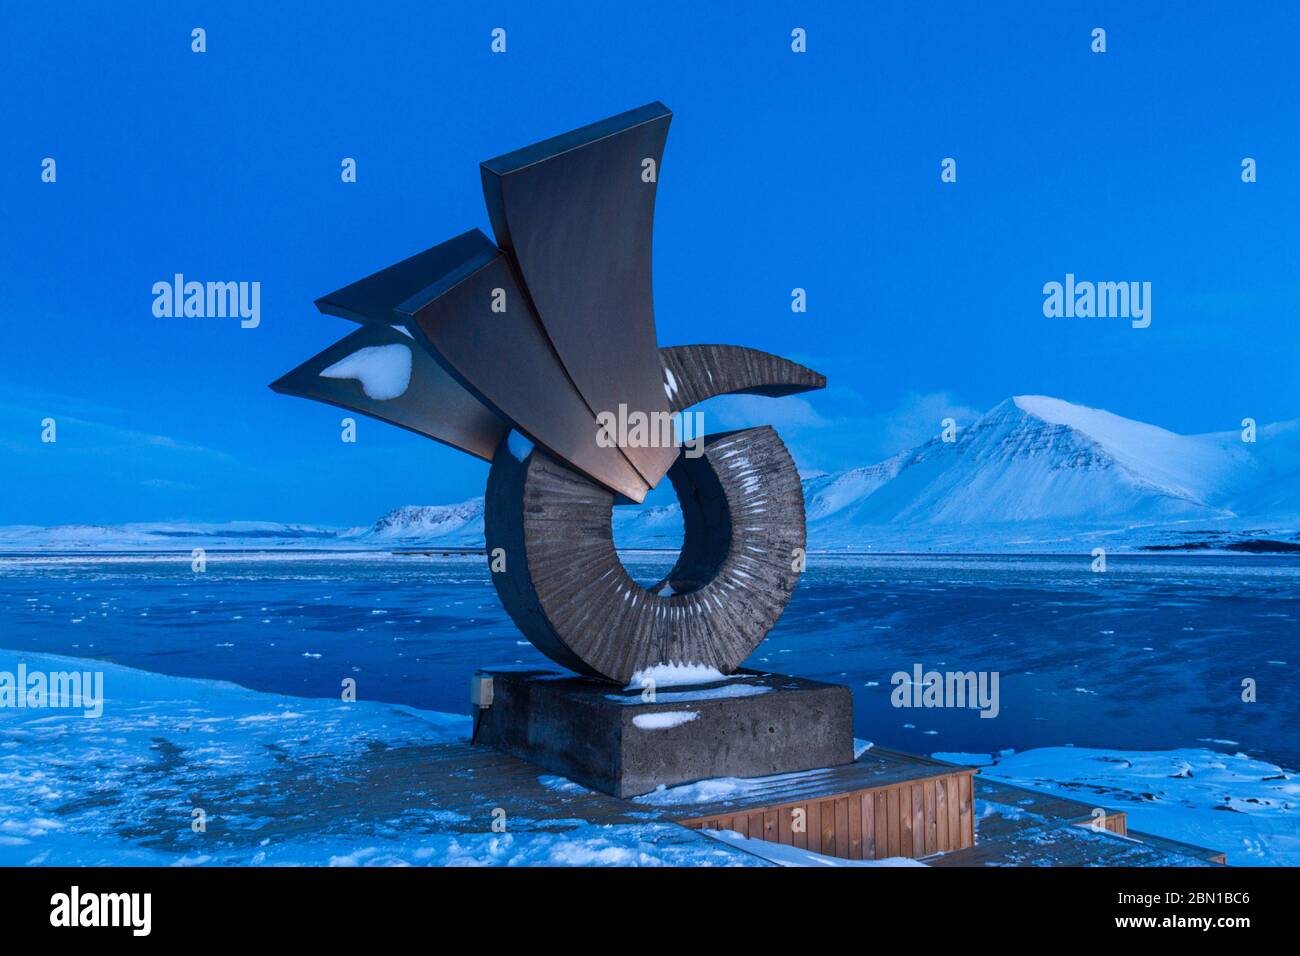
1149	655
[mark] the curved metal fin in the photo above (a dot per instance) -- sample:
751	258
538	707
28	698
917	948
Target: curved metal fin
576	215
424	275
433	403
693	373
484	332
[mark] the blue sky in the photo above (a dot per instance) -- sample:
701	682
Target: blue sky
818	170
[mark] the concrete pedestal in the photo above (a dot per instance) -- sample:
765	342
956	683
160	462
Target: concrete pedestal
610	739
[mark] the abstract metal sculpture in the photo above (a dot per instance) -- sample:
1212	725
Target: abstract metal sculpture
466	342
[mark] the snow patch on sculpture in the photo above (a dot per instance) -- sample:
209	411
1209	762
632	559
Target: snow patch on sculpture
518	445
665	719
384	371
666	675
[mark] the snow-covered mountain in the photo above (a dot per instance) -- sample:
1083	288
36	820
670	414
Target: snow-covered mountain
170	536
1033	473
413	526
459	525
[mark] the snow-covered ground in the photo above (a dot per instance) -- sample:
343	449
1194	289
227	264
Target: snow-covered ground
793	856
1248	808
124	789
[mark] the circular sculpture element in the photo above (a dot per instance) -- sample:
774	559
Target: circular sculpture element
565	588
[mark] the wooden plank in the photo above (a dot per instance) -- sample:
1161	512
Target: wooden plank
827	810
955	840
814	826
855	803
970	786
883	828
880	829
842	835
941	813
904	820
931	824
869	844
918	820
770	825
784	833
967	812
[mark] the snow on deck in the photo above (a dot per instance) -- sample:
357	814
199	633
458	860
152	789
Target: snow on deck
1248	808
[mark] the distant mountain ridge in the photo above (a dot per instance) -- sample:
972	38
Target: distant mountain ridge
459	525
1032	473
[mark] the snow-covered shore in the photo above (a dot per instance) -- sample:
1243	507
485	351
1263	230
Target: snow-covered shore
1248	808
123	789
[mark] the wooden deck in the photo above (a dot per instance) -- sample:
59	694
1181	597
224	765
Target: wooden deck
994	795
1018	827
466	784
1174	846
885	804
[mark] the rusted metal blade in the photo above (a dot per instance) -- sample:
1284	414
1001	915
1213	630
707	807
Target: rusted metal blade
576	215
433	403
374	298
694	373
505	359
447	297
